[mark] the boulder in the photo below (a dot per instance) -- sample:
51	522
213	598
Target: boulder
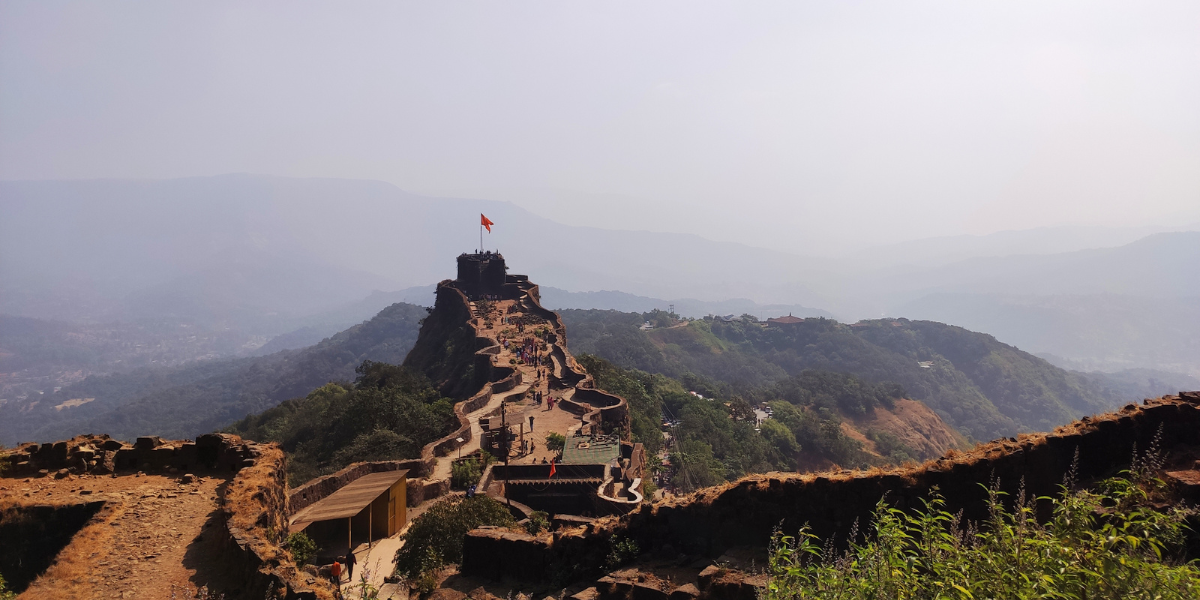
686	591
648	591
481	594
706	576
590	593
148	442
446	594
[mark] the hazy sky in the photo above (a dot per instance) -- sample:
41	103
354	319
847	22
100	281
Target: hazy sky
798	125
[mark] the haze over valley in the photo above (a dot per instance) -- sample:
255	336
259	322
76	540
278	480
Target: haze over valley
699	300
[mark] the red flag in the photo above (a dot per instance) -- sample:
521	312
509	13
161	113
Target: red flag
551	470
486	222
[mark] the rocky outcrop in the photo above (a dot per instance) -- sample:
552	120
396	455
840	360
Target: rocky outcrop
446	346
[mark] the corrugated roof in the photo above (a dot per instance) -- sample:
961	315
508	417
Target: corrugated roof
583	450
351	499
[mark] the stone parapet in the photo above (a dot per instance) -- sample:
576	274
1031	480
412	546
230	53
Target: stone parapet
747	511
100	454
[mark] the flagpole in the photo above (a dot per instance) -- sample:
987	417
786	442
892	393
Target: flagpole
481	236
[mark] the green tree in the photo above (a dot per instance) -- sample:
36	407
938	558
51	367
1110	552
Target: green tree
696	467
435	538
741	410
555	442
389	413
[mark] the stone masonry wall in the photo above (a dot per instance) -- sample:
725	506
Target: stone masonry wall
253	507
745	512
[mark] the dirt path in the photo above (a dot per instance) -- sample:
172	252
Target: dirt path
442	470
152	537
546	420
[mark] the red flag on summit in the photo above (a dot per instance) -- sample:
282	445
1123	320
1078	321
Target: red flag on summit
486	222
551	470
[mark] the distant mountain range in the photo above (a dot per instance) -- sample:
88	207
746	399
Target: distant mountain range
305	258
200	397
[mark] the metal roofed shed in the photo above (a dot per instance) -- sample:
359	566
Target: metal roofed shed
373	506
586	450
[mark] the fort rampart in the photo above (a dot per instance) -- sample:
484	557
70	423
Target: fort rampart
253	509
744	513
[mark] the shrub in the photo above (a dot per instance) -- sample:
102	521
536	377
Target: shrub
648	489
5	594
464	474
538	521
1080	553
621	551
435	538
302	547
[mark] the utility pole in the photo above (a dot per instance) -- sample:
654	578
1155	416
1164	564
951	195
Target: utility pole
507	435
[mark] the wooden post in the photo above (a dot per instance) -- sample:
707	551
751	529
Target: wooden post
507	434
370	524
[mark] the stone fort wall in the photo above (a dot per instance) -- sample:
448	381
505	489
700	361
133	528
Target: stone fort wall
745	512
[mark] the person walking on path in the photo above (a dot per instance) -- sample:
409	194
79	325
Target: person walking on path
531	422
335	573
350	562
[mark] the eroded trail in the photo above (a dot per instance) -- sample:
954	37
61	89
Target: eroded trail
154	535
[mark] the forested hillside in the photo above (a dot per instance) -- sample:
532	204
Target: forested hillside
185	401
388	413
982	387
818	419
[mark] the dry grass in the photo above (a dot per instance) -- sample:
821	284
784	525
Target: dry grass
73	566
257	501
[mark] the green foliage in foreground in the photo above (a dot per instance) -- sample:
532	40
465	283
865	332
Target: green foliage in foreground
435	538
1097	545
5	594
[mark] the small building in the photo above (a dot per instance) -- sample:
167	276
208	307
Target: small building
371	507
588	450
787	321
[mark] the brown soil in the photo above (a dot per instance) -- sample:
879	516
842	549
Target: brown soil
546	420
154	536
915	424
